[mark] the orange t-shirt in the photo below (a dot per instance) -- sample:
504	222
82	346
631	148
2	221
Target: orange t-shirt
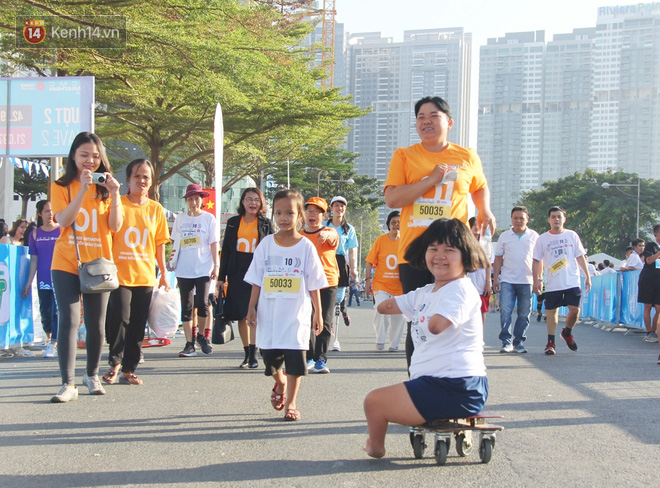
412	164
383	256
92	230
247	236
327	254
134	246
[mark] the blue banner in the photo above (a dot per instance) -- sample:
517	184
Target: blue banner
16	326
631	311
612	298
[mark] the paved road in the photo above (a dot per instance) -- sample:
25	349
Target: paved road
576	419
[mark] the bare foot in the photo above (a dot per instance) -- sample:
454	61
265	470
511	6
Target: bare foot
374	453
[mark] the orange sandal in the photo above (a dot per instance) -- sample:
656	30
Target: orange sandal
292	414
110	377
131	379
277	399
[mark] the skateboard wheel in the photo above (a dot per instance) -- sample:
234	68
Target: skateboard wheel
485	450
418	445
464	444
441	451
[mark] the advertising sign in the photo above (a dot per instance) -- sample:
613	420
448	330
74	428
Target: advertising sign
39	117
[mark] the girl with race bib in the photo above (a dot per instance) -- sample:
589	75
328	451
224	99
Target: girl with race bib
286	275
447	369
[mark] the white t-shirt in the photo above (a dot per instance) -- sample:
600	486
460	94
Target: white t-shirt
516	252
634	261
592	270
457	351
608	270
558	253
286	275
196	234
478	279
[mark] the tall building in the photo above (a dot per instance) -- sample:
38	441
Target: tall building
534	110
625	129
588	99
391	76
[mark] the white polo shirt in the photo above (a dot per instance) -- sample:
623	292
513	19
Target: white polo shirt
516	251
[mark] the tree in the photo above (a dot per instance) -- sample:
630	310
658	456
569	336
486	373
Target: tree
605	219
326	175
181	59
367	227
29	185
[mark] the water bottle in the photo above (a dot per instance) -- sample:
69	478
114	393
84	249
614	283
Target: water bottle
485	241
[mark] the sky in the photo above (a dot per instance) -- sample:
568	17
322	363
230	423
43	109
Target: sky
483	18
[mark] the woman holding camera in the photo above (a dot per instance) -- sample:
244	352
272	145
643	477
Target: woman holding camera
87	197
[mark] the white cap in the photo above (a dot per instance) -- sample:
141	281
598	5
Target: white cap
338	199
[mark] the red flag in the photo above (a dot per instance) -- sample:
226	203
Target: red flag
208	203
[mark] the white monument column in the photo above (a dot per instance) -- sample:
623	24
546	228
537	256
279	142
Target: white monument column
7	191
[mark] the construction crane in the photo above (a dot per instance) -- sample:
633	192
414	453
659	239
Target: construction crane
328	41
304	10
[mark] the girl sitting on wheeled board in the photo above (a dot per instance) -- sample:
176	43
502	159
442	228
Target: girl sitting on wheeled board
447	370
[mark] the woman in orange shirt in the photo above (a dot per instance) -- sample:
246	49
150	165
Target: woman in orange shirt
136	248
242	235
95	209
385	282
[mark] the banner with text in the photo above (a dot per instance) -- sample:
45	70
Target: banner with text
16	326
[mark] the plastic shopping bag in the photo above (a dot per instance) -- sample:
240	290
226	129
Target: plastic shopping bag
165	312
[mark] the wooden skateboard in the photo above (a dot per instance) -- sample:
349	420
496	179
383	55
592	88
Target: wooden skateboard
461	429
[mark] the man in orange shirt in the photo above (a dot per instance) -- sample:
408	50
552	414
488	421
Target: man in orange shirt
431	180
385	282
325	240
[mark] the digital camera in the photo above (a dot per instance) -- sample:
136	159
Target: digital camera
98	178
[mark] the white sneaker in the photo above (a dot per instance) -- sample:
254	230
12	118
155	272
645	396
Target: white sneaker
506	348
93	384
20	352
66	394
51	351
335	346
651	337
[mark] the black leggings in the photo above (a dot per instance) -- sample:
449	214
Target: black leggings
201	286
411	279
318	346
127	315
67	295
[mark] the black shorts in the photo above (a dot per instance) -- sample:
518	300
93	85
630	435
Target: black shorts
648	290
293	360
563	298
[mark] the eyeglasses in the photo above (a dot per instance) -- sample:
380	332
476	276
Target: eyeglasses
252	200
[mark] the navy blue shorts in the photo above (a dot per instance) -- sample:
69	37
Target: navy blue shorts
448	398
563	298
